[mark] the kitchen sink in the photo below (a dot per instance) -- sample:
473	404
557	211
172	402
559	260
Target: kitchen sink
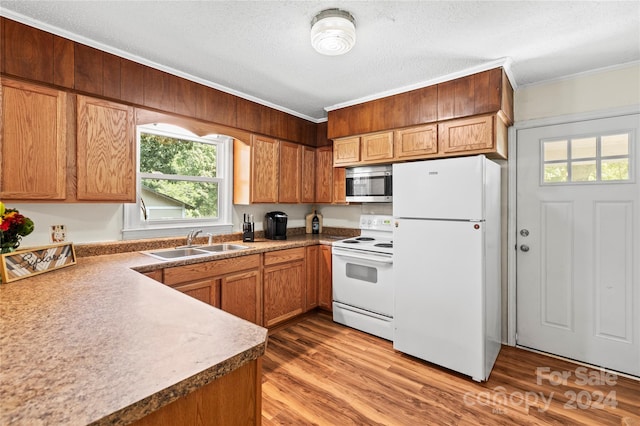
223	247
183	252
176	253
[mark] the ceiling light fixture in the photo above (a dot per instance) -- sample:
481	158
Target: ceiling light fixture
333	32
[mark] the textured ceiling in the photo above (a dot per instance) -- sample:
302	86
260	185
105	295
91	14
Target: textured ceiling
261	49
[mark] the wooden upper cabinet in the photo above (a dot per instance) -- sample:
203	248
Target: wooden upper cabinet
290	172
34	142
474	135
475	94
346	151
423	105
308	175
157	90
416	142
265	154
215	106
106	151
34	54
132	82
184	93
377	147
324	175
339	195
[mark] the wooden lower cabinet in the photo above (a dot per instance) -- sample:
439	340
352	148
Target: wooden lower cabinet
284	285
240	295
325	289
207	291
233	284
233	399
312	264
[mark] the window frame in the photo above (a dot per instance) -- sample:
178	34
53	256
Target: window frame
598	158
135	227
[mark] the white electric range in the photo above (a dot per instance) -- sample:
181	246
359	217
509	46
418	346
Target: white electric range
363	278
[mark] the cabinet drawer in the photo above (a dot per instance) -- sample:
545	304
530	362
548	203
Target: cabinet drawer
182	274
282	256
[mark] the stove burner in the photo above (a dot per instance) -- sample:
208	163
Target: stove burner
351	242
386	245
365	239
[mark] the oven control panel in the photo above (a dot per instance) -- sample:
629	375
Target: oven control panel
376	222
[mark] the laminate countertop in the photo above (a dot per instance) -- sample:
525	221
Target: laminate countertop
100	343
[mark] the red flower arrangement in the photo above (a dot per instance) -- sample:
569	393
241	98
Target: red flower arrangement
13	226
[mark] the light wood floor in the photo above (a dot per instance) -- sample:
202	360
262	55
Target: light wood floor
319	372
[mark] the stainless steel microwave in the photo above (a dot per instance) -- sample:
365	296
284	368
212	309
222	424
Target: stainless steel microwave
371	184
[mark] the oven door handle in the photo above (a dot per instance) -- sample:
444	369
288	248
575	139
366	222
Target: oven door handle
370	257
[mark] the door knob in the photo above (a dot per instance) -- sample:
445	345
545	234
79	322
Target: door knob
524	247
524	232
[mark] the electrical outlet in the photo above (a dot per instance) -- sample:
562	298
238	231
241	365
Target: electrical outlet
58	233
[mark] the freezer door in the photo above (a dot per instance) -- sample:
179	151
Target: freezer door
439	293
450	188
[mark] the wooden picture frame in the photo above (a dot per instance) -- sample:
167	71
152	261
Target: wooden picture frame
35	261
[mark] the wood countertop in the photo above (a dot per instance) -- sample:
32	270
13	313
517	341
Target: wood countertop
99	343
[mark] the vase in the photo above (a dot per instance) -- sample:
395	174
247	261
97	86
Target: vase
9	246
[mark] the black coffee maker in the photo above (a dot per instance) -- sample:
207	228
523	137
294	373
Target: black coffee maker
275	226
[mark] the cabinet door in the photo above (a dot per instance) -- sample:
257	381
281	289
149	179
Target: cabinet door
416	142
240	295
290	175
308	175
325	289
339	185
34	142
156	275
377	148
346	151
324	175
264	170
312	259
206	291
284	292
106	151
466	135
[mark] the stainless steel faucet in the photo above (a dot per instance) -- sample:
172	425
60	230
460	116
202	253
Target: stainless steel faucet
192	236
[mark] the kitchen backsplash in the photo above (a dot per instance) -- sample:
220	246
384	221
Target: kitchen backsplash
95	223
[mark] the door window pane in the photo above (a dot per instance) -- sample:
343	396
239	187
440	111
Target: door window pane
556	172
615	169
583	171
614	145
555	150
583	148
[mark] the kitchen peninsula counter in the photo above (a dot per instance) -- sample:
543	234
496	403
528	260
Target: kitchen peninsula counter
100	343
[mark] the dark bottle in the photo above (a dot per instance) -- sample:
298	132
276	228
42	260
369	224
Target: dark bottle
315	224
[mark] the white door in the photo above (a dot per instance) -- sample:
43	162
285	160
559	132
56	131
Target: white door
578	242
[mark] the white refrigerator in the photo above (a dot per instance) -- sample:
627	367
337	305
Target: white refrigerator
446	262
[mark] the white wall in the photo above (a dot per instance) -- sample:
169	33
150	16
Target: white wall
87	223
606	89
